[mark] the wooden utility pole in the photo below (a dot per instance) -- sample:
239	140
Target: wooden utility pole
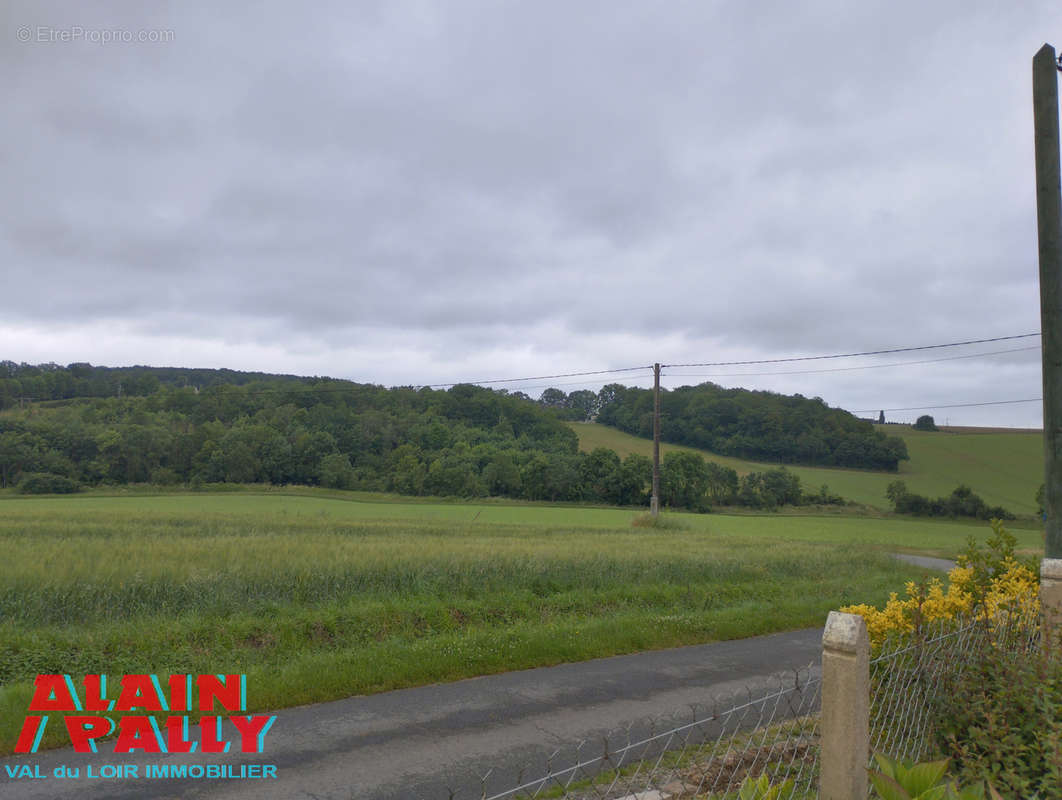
654	502
1049	230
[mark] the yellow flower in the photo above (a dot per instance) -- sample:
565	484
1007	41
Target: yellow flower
1015	590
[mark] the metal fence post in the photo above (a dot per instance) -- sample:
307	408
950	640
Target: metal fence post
1051	595
845	720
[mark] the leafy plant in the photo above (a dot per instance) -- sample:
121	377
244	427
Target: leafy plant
761	789
902	780
1000	715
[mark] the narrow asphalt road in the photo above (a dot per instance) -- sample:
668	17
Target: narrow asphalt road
419	744
928	562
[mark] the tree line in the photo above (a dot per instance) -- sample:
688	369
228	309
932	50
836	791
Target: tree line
962	502
466	441
35	382
757	425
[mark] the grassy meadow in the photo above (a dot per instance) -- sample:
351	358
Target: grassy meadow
1004	467
317	597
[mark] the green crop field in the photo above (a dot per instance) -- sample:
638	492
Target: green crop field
1005	468
316	597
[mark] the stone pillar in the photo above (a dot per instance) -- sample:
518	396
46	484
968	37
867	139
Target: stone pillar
844	725
1051	595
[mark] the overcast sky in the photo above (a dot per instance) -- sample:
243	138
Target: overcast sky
416	193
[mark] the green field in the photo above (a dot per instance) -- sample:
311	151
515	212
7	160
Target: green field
1005	468
317	598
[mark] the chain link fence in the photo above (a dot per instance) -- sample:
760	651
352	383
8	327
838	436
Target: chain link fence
774	733
910	675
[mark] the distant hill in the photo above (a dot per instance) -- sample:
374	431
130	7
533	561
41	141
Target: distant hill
1004	466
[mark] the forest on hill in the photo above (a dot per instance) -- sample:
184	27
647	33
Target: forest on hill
466	441
757	425
67	427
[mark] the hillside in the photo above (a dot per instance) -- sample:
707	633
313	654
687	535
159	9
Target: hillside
1004	468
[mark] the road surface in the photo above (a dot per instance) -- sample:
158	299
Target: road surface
421	743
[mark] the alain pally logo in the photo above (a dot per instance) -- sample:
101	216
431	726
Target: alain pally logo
84	714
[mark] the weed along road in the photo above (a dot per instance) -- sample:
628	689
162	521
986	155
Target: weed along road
423	742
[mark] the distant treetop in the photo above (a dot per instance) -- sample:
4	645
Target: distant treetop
925	423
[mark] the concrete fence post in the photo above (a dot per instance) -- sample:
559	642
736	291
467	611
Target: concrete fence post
844	724
1051	595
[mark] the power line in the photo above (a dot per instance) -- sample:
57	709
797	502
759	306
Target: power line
298	384
845	369
542	377
761	361
951	405
853	355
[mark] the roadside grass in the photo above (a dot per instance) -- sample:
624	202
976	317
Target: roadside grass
316	598
1004	468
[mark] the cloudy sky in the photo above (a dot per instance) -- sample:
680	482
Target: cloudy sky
424	192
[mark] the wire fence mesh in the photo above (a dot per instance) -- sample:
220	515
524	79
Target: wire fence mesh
773	734
910	675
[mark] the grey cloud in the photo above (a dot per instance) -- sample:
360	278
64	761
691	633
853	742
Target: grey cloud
442	179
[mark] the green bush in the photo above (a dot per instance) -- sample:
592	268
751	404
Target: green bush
962	502
1000	718
165	476
660	521
47	483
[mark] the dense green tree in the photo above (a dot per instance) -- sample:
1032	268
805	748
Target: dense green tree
407	470
583	404
684	480
722	483
553	398
635	480
336	471
599	475
501	475
925	423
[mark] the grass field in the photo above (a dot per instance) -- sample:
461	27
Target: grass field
1005	468
317	598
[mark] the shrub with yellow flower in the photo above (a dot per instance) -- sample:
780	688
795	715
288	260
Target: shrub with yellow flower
990	582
